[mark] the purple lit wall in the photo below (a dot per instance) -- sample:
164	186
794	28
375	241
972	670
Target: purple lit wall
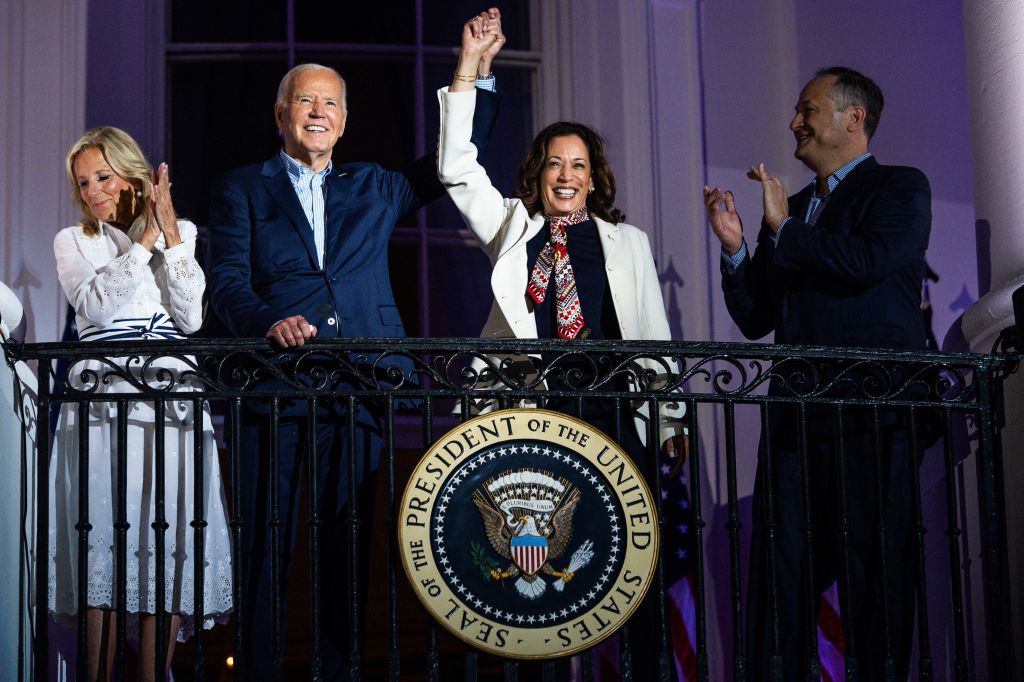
686	91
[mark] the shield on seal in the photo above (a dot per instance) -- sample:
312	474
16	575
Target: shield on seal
529	552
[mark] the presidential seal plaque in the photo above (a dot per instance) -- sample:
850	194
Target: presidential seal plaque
528	534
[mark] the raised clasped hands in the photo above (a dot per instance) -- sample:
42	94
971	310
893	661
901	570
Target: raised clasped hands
775	196
482	35
482	39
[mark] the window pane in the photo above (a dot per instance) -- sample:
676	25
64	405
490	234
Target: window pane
510	140
388	23
380	125
460	290
222	116
404	262
228	21
443	20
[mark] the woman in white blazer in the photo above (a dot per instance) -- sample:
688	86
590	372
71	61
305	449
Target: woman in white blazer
564	266
564	179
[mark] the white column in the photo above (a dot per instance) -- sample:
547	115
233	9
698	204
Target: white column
994	32
42	76
995	77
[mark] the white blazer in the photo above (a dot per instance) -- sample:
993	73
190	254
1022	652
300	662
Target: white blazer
503	227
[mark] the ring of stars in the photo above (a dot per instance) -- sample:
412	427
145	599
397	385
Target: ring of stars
600	490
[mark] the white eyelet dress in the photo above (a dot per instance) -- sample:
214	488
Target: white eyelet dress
121	291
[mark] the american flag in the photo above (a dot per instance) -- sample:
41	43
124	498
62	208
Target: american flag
681	595
831	650
680	568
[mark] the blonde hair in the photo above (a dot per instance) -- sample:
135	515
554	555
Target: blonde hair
125	159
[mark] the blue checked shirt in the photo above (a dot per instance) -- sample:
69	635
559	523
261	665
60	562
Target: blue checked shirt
309	188
833	181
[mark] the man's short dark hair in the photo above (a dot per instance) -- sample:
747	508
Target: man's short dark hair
854	88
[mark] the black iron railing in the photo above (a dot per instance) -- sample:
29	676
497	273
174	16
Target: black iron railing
411	388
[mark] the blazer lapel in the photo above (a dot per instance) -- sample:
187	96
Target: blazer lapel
338	201
798	204
849	187
510	275
279	186
621	276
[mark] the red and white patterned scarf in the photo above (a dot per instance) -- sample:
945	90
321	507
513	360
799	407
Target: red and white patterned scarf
555	255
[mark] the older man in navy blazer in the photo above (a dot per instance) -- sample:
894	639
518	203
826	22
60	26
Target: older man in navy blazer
839	263
300	249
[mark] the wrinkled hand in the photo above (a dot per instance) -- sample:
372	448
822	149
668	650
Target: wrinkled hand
493	27
291	331
775	196
163	208
725	221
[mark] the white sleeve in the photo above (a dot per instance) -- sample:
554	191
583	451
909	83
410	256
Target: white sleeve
185	280
480	203
655	327
97	293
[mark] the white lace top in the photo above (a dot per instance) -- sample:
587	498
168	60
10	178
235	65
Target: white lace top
109	277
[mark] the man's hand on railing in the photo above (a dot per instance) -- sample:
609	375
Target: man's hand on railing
291	331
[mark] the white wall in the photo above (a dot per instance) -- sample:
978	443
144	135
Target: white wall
42	76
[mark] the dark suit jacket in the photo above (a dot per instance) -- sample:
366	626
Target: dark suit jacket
854	278
263	261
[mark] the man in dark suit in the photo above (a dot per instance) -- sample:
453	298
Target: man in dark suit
839	263
300	249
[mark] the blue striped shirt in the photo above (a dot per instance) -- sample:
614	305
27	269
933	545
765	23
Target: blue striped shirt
309	188
833	180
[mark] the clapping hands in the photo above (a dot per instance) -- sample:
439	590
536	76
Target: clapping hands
725	221
160	217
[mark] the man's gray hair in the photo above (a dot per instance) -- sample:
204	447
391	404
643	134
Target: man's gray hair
284	90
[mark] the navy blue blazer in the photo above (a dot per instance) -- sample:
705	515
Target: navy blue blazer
263	260
852	279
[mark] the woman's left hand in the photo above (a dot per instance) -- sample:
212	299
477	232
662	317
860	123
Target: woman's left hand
162	208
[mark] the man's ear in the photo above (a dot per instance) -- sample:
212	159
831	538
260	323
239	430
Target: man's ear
278	116
856	115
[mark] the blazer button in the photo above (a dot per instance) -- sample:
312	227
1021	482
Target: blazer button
331	321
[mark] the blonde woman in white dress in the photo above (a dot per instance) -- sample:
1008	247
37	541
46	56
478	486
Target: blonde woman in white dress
129	270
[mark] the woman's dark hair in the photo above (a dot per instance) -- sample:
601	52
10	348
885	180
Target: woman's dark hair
600	202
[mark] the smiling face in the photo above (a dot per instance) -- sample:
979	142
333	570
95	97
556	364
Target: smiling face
100	188
565	178
823	135
312	118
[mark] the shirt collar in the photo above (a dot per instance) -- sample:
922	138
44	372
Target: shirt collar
296	171
839	175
